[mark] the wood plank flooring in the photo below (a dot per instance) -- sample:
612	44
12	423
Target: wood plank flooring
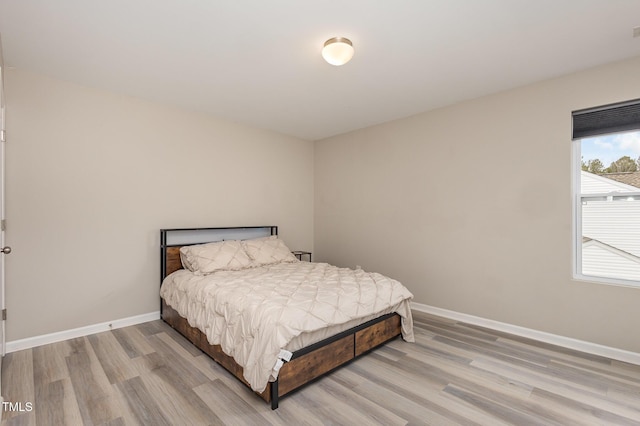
455	374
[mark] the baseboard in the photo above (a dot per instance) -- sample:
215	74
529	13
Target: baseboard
32	342
567	342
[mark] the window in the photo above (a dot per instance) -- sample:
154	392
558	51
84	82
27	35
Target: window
606	189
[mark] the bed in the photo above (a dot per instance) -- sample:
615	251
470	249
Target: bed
326	316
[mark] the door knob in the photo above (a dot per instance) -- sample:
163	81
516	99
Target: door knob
5	250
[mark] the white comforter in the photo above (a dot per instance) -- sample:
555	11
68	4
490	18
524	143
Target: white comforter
254	313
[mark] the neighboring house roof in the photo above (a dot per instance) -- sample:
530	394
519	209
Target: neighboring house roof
602	260
591	183
629	178
608	247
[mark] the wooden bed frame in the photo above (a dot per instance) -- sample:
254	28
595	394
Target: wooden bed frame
306	364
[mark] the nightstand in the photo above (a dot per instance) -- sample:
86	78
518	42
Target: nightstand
299	254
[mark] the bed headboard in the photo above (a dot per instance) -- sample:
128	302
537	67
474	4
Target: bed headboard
172	239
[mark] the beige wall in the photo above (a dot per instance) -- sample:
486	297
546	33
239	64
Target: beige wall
470	207
91	178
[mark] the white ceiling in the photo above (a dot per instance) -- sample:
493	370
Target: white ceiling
258	62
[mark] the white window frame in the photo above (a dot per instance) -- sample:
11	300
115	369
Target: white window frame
576	168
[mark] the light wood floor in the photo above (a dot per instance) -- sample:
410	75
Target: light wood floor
454	374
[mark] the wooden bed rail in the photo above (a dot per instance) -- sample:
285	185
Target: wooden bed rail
307	364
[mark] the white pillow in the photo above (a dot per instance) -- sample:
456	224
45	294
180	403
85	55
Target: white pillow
202	259
268	250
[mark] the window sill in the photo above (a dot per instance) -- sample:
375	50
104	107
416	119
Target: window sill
606	281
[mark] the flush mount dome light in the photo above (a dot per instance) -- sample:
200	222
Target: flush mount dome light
337	51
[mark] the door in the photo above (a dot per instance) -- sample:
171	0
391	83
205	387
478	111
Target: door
3	249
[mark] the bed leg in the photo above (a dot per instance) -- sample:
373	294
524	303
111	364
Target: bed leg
274	394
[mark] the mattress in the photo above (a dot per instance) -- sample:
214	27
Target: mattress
260	315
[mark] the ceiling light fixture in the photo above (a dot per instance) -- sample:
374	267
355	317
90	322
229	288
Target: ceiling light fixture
337	51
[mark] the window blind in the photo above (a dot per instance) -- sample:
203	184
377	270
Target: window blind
613	118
